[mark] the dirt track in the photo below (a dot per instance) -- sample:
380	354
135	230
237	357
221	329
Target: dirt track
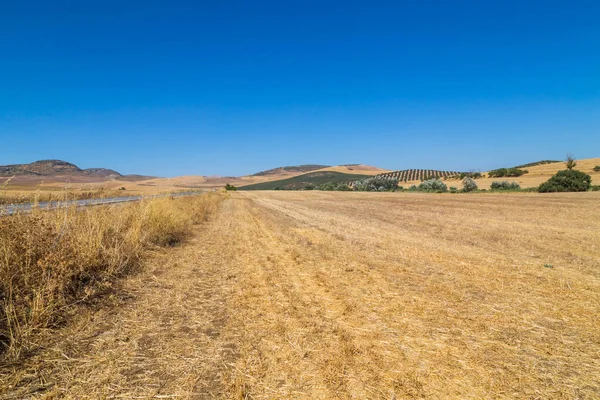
345	295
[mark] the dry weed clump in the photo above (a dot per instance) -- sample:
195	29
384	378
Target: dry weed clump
52	260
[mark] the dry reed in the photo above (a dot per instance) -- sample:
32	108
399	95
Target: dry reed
51	261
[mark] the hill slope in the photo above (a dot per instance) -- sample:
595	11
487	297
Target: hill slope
410	175
301	181
541	172
293	168
360	169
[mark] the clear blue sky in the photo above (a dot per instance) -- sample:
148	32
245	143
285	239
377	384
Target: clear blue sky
231	87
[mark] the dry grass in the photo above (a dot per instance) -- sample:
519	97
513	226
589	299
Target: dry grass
416	296
50	261
20	194
315	295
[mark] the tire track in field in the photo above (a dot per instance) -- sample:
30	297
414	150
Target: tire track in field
302	330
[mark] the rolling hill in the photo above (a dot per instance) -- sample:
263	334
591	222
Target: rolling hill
360	169
55	173
263	177
536	163
292	169
60	171
540	172
301	181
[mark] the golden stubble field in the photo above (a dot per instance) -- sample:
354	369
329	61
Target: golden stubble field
325	295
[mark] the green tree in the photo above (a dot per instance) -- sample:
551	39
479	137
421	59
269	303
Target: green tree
469	185
433	185
567	181
570	162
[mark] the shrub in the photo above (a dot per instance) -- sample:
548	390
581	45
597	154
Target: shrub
469	185
595	188
230	187
453	189
597	168
473	175
567	181
329	186
376	184
342	187
413	188
507	172
433	185
505	185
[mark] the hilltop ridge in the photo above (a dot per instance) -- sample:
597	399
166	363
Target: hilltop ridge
291	168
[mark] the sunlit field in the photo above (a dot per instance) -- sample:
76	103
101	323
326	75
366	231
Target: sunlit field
322	295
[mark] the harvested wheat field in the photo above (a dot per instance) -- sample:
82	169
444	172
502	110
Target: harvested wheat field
335	295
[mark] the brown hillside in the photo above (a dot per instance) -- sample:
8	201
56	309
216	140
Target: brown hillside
42	167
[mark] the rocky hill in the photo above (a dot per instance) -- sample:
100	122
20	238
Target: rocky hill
59	168
42	168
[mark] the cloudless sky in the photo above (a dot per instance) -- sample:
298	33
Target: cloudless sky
231	87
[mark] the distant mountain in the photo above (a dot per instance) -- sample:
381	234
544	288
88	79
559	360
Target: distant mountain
59	168
296	168
41	168
134	177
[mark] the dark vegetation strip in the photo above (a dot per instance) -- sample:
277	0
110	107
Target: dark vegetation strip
302	181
